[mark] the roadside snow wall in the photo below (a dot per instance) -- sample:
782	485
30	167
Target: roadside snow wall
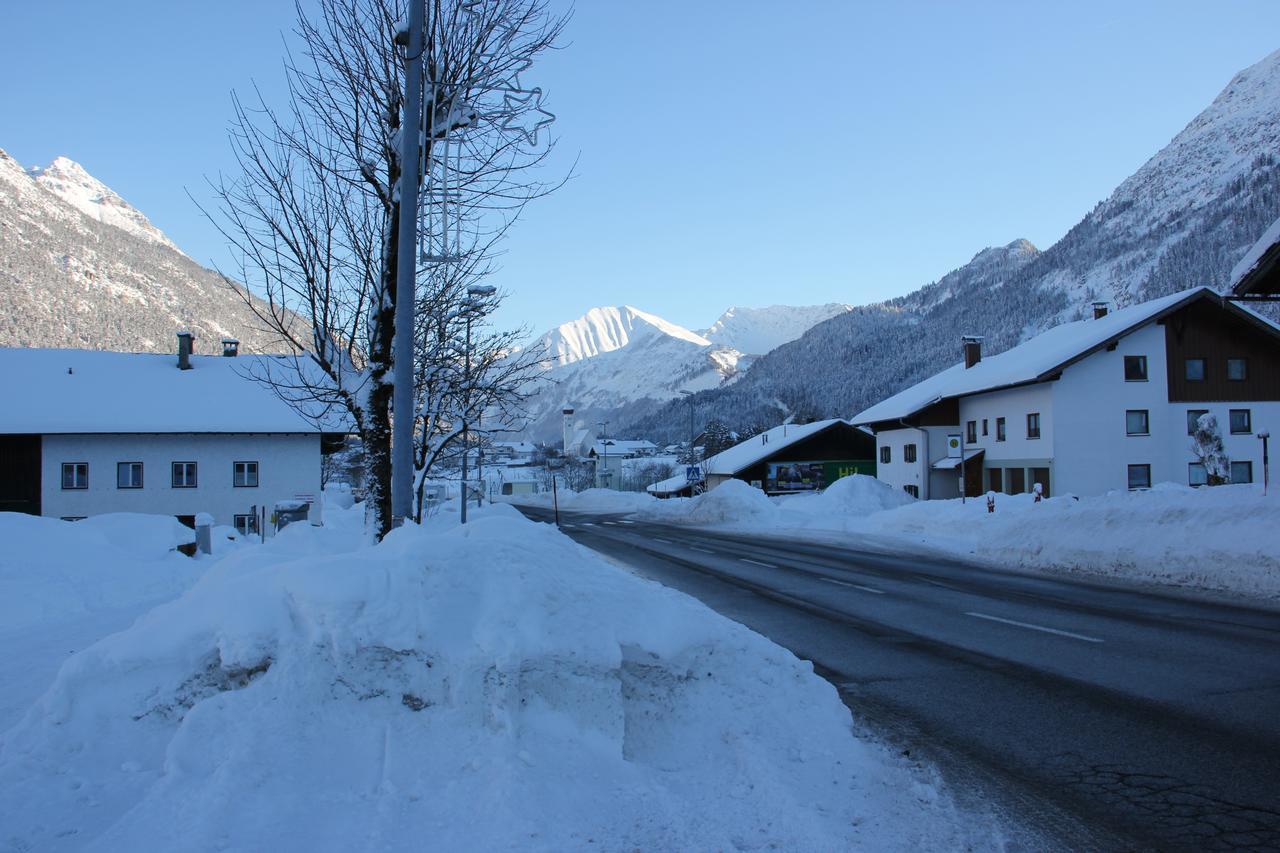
479	688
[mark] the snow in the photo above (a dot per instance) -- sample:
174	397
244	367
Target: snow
1255	253
69	181
1027	362
51	569
65	584
485	687
760	330
1219	539
85	391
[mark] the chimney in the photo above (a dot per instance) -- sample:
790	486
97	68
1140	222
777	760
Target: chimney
1099	310
186	346
230	347
972	350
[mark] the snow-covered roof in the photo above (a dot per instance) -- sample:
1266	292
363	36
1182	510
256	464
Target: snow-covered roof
1253	258
745	454
53	391
517	446
1031	361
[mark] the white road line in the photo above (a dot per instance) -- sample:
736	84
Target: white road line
660	539
853	586
610	523
588	524
1035	627
943	585
703	550
758	563
624	521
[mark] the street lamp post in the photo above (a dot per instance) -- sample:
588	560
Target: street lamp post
472	306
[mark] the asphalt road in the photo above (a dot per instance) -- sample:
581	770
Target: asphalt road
1083	716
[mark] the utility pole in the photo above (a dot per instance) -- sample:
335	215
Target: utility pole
406	270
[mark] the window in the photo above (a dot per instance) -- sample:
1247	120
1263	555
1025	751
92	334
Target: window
184	475
1242	472
1196	369
971	432
1139	476
999	429
75	475
1237	369
909	453
1193	415
245	525
885	455
1241	422
1137	422
1196	474
914	491
74	517
984	426
246	475
128	475
1033	425
1135	368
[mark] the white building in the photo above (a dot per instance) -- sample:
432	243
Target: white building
1089	406
84	433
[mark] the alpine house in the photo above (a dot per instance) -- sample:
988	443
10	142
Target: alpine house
1089	406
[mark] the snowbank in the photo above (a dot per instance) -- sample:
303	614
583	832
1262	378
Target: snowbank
484	687
1220	538
590	500
52	570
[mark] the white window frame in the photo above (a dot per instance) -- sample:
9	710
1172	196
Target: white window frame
240	478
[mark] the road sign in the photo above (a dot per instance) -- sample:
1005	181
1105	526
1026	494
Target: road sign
693	473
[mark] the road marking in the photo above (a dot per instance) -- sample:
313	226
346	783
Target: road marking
610	523
943	585
624	521
703	550
853	585
758	563
660	539
1035	627
588	524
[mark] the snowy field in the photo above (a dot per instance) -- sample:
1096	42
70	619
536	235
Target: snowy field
1220	539
479	688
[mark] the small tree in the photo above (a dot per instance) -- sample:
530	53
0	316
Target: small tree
1206	444
717	437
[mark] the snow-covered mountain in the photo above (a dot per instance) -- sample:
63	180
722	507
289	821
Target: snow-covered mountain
68	180
614	363
1183	219
81	268
603	330
761	330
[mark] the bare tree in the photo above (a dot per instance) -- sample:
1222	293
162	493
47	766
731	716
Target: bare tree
313	216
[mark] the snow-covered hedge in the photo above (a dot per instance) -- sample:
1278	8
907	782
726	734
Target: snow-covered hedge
51	569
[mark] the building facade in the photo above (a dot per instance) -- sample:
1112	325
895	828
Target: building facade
1091	406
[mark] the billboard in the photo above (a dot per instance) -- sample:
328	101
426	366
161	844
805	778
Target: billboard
788	477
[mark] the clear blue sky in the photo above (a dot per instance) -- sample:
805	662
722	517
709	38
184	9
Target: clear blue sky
729	153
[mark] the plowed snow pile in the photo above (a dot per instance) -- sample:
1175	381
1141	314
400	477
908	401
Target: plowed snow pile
479	688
